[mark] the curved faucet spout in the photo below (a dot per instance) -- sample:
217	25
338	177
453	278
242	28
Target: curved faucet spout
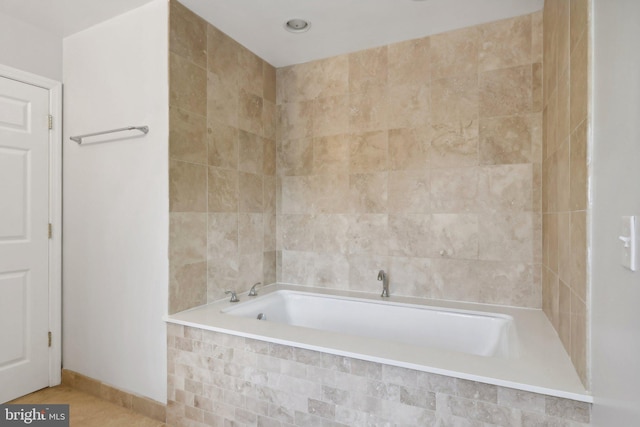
234	297
382	276
252	291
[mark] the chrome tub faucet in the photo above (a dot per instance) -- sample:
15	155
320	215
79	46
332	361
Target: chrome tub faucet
234	297
382	276
252	291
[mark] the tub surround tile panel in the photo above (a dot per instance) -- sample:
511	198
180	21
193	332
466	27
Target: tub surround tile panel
455	52
565	204
454	190
188	136
505	44
453	144
409	149
507	188
222	145
368	152
579	171
250	192
368	111
249	112
188	286
330	116
188	35
251	74
219	379
222	54
294	120
187	259
506	91
408	104
251	148
579	81
408	191
294	232
297	195
188	90
330	155
222	99
295	157
367	69
222	163
222	252
505	140
269	83
415	154
409	62
368	192
454	99
506	237
187	187
579	335
563	107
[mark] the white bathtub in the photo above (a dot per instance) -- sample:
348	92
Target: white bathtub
505	346
472	332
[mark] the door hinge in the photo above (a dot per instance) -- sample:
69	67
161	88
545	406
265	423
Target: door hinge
49	335
50	230
50	122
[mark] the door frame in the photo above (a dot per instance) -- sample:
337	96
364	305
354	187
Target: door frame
55	212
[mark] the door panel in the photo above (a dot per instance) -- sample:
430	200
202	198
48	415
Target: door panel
14	114
14	166
14	290
24	243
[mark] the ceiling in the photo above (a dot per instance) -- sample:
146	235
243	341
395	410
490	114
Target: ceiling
337	26
341	26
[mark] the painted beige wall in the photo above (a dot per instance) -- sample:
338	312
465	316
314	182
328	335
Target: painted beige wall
564	197
615	176
421	158
222	164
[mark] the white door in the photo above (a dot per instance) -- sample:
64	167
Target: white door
24	245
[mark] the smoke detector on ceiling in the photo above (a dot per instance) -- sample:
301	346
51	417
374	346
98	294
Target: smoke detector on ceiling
297	25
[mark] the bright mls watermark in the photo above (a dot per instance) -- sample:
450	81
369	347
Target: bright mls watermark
34	415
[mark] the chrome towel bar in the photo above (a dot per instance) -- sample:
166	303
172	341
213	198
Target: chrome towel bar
78	139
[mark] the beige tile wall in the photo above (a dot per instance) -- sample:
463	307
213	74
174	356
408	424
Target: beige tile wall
564	195
456	162
217	379
222	164
422	158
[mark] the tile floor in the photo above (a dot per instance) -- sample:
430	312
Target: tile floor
89	411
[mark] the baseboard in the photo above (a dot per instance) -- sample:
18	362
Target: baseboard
137	403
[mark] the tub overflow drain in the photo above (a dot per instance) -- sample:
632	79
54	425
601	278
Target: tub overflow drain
262	316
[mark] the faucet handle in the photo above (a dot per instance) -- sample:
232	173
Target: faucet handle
234	297
252	291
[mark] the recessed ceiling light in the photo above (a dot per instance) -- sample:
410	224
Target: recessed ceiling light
297	25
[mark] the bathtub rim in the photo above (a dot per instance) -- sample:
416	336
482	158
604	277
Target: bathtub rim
555	377
366	297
